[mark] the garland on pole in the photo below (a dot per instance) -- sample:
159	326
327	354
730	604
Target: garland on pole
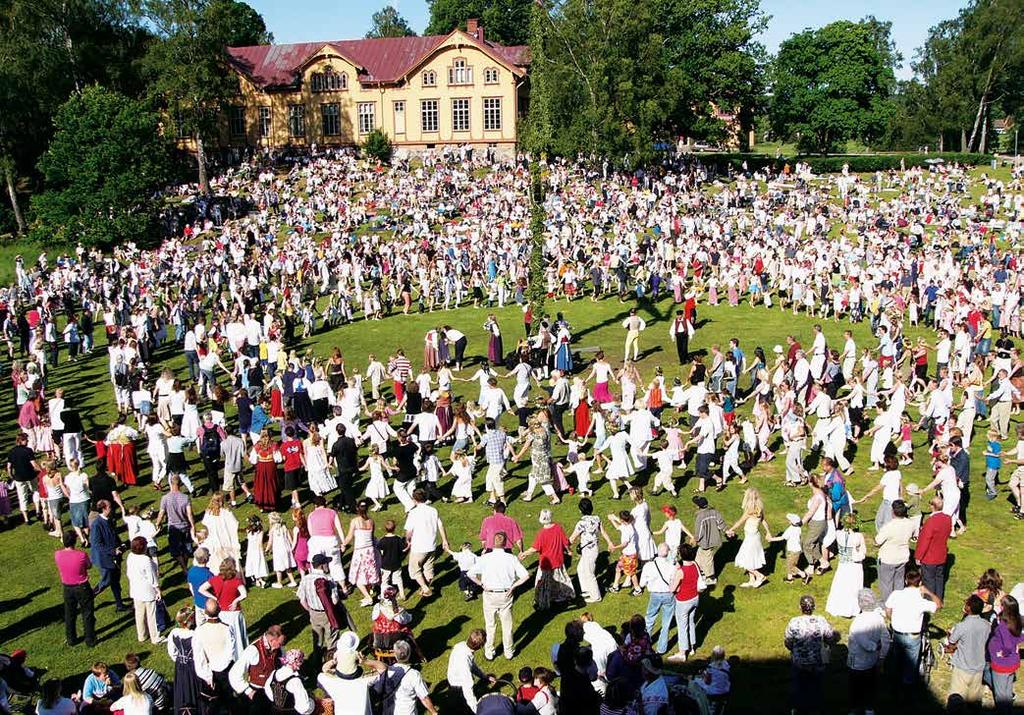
536	289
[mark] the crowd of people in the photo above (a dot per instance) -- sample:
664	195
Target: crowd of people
334	240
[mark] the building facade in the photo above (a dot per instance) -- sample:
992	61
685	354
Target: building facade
423	92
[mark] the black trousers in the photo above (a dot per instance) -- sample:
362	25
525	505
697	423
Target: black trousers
682	345
460	350
79	598
346	499
965	501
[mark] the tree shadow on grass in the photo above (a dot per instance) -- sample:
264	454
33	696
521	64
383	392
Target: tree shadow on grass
434	641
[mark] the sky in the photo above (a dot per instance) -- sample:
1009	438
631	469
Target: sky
308	20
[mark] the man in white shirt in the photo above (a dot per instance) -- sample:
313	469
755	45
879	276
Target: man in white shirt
656	577
462	669
602	643
376	372
818	353
494	401
499	574
1002	397
703	435
457	339
422	527
906	609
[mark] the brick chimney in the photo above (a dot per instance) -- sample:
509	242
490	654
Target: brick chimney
475	29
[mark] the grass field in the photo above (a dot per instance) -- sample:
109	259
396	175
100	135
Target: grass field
748	623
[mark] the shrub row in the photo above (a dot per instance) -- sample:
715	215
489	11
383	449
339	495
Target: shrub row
859	163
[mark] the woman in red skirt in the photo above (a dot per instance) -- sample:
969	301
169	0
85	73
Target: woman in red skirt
264	486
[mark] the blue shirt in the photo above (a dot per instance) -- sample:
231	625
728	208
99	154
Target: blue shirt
197	576
995	448
95	688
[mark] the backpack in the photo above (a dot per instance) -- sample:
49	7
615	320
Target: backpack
282	700
210	446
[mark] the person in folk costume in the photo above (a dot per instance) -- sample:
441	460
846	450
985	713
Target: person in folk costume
495	349
563	352
430	352
579	403
679	331
265	456
634	325
121	460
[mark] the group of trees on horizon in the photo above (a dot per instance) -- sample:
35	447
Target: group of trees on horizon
93	93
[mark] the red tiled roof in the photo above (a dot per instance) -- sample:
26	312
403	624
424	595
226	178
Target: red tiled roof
379	60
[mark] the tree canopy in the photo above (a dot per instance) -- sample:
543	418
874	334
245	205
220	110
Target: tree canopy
833	84
107	160
504	21
615	77
387	22
239	24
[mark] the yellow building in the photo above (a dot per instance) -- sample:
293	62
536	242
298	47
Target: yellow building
423	92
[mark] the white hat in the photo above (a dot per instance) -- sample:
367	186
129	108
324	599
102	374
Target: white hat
346	655
777	349
913	489
793	519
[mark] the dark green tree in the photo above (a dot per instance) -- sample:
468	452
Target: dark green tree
188	69
102	170
387	22
241	25
617	76
506	22
378	146
49	49
831	85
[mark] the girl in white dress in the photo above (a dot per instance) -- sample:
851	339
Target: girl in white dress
881	431
377	487
321	480
279	545
255	561
750	557
190	418
462	470
849	578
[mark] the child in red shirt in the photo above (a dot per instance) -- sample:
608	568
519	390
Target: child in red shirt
526	689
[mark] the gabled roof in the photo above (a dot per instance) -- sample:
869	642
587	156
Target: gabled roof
380	60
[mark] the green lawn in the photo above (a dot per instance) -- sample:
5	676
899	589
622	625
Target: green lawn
749	624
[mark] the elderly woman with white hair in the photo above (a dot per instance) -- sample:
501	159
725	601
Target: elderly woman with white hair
551	544
868	644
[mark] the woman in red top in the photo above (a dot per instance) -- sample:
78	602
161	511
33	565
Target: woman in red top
551	544
228	589
265	456
686	584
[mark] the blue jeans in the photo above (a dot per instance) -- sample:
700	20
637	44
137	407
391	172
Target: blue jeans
663	603
1002	688
192	360
686	624
907	652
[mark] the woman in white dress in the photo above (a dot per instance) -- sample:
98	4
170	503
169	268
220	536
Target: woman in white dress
190	418
645	546
849	578
881	435
750	557
222	533
523	373
321	480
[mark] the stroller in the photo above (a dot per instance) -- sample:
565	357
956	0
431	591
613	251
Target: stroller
498	703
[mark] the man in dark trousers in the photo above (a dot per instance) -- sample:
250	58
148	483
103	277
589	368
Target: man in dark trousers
345	454
105	555
679	331
73	566
961	464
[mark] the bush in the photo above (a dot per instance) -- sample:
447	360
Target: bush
858	163
378	146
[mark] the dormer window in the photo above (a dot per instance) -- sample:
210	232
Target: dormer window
460	72
329	81
430	78
491	75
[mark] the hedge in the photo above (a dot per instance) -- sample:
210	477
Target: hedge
859	163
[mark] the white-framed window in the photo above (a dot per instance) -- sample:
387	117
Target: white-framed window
236	121
491	75
265	122
329	81
330	119
492	114
460	115
367	117
428	115
399	108
460	72
296	120
430	78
